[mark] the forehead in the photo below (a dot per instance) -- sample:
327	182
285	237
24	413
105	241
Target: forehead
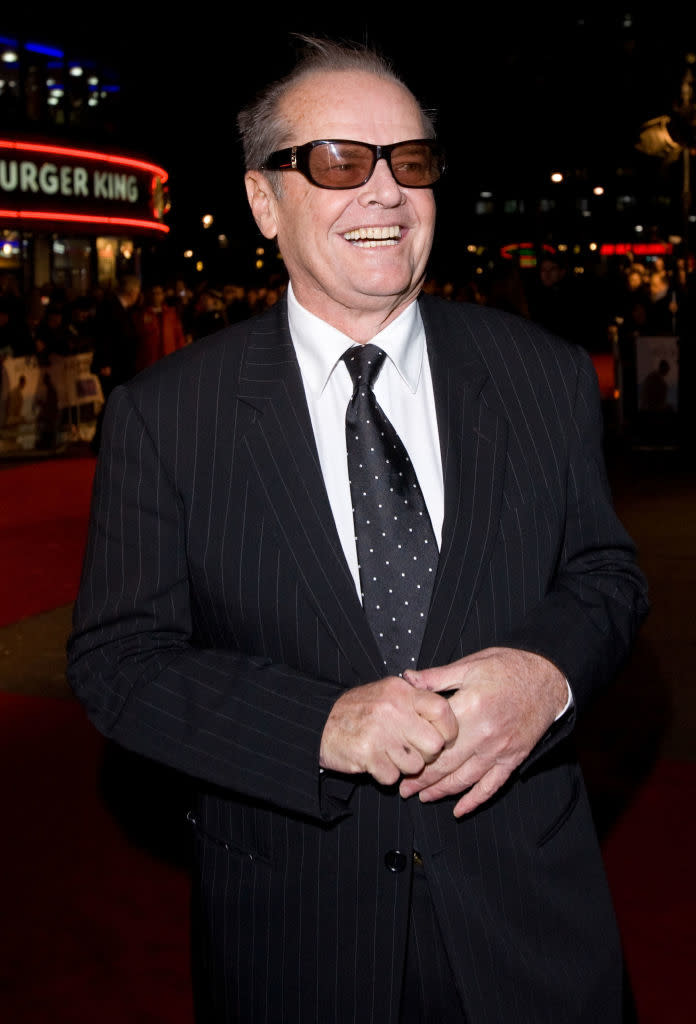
351	105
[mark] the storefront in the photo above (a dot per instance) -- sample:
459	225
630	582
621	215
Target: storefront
71	220
75	218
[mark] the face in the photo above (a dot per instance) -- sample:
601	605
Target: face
549	272
132	294
336	274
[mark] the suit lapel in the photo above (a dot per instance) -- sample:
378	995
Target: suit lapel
473	441
281	444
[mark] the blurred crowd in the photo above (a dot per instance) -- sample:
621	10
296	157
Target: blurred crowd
164	316
604	308
651	298
589	304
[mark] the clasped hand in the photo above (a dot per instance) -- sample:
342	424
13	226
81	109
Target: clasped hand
504	700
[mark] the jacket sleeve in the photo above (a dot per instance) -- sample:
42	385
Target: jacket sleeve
587	620
217	714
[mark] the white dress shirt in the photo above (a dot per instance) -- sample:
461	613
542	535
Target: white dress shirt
404	390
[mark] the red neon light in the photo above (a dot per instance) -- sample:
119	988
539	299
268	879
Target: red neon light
86	218
524	248
86	154
638	248
652	248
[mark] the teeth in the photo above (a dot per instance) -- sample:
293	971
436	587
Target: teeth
372	237
373	243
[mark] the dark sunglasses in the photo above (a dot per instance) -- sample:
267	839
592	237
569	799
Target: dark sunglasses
342	163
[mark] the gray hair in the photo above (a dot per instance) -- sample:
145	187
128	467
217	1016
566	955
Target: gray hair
264	128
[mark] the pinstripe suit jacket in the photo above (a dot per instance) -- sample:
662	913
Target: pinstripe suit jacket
217	623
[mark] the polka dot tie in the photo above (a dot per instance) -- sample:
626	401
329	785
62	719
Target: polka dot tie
397	550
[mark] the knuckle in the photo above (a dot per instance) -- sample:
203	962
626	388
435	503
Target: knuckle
487	729
487	786
385	773
416	765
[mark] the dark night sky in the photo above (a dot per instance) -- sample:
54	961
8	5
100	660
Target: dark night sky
517	91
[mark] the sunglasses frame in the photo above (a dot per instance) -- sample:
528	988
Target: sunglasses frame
296	158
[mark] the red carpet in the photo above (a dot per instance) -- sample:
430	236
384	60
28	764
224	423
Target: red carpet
650	858
43	527
94	927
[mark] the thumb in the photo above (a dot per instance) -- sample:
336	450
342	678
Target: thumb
415	679
435	679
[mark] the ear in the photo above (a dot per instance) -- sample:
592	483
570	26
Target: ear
263	202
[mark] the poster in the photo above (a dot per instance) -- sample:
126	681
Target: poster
657	369
44	405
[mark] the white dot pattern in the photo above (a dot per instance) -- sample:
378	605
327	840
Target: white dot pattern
397	552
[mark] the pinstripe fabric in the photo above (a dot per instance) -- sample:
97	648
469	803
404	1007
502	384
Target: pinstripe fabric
429	994
217	623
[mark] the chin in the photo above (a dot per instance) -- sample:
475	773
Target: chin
386	284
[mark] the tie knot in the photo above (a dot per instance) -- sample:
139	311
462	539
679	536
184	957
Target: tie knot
364	363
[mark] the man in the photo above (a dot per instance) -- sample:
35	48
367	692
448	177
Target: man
115	334
372	844
158	328
116	341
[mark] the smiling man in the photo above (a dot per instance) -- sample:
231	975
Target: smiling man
356	256
353	567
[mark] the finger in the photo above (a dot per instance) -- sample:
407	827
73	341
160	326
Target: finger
447	777
409	787
406	757
384	770
417	679
436	680
422	679
484	789
424	737
433	774
438	713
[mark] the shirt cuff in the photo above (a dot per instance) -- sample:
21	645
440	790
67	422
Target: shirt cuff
568	704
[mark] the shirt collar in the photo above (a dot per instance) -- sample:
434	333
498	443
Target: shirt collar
319	346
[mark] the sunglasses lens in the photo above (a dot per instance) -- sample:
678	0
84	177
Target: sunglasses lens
340	164
416	164
349	164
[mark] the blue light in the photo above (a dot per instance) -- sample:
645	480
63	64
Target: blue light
6	41
47	51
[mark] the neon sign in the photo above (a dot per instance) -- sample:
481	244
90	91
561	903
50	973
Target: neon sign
44	182
637	248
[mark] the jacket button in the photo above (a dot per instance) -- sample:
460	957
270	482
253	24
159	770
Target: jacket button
395	861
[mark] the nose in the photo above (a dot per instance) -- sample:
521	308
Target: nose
382	187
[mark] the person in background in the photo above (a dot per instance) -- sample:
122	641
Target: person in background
115	341
235	300
209	313
158	328
15	336
51	336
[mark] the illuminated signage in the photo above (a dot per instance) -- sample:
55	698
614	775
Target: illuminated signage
524	252
637	248
41	182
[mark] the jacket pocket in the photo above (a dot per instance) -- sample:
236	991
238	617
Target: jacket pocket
239	829
558	823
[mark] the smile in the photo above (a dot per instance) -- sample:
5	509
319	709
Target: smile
371	238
